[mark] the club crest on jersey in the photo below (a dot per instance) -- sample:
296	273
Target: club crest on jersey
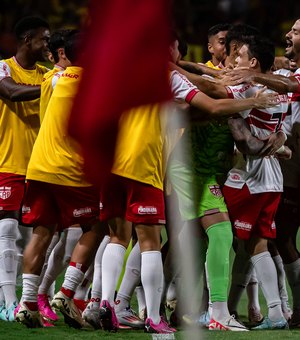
215	190
5	192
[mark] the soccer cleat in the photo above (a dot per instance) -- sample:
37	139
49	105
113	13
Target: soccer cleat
268	324
45	308
80	304
201	320
10	316
92	316
129	318
66	306
27	317
294	322
171	304
161	328
108	318
229	324
255	316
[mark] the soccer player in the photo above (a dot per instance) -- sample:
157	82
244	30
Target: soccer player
216	45
288	217
20	79
57	192
257	182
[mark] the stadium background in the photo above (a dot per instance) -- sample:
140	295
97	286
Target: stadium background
192	18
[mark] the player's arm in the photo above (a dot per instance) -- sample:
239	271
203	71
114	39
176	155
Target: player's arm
276	82
205	85
14	92
244	140
227	107
198	68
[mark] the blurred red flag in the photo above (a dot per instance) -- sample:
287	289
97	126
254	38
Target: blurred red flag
125	63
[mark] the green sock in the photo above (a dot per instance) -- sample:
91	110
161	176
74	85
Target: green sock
217	258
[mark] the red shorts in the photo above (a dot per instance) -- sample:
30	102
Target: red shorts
49	204
137	202
252	214
12	189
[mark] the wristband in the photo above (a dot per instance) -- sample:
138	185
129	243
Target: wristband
281	149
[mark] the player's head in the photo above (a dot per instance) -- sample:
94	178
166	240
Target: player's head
292	50
72	46
216	41
174	53
256	52
235	38
57	43
33	34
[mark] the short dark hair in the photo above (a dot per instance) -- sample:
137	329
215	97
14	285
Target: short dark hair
29	25
238	33
58	40
216	29
263	50
72	45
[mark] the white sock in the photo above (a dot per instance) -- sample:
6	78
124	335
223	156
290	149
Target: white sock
59	258
8	259
30	287
112	263
140	296
97	278
267	277
131	278
281	282
292	271
73	278
152	281
84	287
171	291
219	311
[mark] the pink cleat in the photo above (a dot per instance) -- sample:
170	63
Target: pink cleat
161	328
44	308
108	318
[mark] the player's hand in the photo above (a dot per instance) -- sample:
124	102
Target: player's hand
287	154
273	143
266	99
240	75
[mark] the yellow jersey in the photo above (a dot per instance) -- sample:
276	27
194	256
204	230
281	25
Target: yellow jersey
139	147
19	121
56	157
47	88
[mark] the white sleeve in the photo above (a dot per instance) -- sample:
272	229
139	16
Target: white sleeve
4	70
183	90
55	78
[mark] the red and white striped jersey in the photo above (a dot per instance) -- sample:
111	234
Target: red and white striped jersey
261	174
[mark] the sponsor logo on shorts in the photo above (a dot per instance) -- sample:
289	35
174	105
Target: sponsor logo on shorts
25	209
273	225
235	177
147	210
82	211
215	190
242	225
100	205
5	192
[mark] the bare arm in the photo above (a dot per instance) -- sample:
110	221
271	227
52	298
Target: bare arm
276	82
198	68
14	92
244	140
227	107
203	84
